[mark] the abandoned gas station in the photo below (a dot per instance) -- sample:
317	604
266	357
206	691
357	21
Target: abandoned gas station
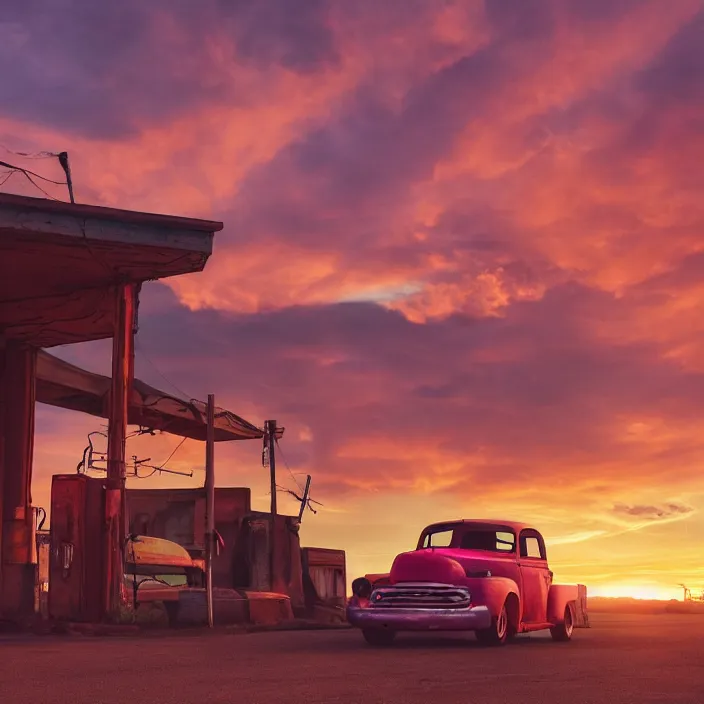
73	273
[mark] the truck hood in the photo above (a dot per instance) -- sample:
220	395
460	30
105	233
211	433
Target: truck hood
426	566
447	565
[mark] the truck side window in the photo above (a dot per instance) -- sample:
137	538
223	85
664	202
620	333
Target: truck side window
505	542
530	547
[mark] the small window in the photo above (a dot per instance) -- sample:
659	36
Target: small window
531	548
505	542
438	539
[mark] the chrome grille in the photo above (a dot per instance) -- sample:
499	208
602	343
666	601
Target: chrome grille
420	596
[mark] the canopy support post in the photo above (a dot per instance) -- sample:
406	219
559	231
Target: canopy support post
210	505
120	389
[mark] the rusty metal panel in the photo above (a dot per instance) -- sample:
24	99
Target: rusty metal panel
259	555
324	557
328	583
325	574
41	598
231	503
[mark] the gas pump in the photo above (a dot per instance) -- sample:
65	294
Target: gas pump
76	553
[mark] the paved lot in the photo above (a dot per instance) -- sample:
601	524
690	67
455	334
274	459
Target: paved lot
629	659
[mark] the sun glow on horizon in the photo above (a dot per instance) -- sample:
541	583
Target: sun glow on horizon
642	592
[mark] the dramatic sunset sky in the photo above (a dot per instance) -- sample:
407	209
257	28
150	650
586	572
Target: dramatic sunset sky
462	262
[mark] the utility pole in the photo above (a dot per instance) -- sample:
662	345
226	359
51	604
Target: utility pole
209	505
304	500
270	434
63	160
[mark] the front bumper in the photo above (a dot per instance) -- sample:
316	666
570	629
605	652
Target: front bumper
473	618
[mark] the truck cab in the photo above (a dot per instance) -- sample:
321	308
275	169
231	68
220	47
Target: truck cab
490	577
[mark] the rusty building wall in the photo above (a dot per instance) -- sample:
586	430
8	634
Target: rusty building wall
169	514
179	514
253	556
243	563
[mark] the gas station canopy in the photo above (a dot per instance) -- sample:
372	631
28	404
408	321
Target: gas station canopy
72	273
66	386
60	261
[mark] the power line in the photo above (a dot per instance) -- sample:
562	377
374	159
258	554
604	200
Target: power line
32	173
300	499
160	468
138	347
175	450
283	457
30	155
303	499
28	175
63	161
38	187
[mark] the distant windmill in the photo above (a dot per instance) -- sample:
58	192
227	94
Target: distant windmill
687	592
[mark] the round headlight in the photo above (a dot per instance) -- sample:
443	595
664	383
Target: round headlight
362	588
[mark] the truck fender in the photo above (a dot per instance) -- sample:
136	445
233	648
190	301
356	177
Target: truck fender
560	597
493	592
378	579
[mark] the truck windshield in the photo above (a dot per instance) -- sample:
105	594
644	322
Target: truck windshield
470	539
441	538
490	540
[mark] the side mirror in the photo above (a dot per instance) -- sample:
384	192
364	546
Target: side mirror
362	588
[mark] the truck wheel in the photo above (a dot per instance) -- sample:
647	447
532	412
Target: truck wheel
379	637
497	633
563	631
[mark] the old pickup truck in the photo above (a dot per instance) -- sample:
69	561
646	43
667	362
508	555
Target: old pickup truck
490	577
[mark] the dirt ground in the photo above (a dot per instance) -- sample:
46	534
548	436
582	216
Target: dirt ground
621	659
